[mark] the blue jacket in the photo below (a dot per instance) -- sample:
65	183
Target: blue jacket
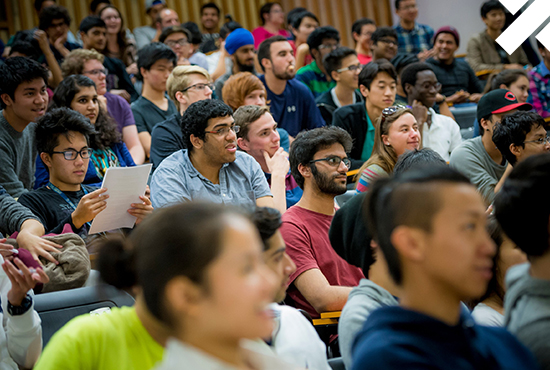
397	338
42	176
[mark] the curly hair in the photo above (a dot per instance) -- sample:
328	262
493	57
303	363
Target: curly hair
106	130
239	86
75	60
195	119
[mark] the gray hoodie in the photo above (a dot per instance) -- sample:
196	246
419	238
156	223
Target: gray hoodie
527	311
362	300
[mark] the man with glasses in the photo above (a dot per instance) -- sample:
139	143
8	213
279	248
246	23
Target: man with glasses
240	47
186	85
210	168
93	33
384	43
155	63
321	42
177	38
343	67
322	280
413	37
438	132
62	139
458	80
521	135
479	158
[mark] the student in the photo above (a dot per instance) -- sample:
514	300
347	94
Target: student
321	41
384	43
155	63
239	45
438	132
96	6
396	132
62	139
521	135
478	158
196	58
210	21
294	339
78	93
210	168
430	225
121	44
258	136
20	331
377	82
291	102
150	33
322	280
90	64
93	32
413	37
23	98
185	86
539	95
489	311
343	67
526	305
55	21
303	24
400	61
458	81
178	39
484	53
272	17
362	30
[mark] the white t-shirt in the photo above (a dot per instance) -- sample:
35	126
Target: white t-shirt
443	135
487	316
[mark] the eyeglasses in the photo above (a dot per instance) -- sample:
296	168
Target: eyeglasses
329	46
389	42
72	154
352	68
428	86
224	131
95	72
541	141
200	87
334	161
408	7
180	42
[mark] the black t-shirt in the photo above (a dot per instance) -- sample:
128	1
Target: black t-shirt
54	211
502	53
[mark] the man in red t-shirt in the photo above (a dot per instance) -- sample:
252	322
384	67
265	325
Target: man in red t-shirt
318	163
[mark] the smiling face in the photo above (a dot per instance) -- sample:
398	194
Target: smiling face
347	78
262	137
65	173
210	19
533	144
495	19
520	88
85	102
445	47
403	134
385	48
112	20
282	62
426	88
29	102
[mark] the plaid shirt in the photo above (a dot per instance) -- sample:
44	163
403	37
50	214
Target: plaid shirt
539	89
416	40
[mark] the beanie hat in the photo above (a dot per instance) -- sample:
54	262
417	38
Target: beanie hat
448	29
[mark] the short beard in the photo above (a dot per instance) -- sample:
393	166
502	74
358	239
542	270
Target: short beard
245	68
285	75
325	184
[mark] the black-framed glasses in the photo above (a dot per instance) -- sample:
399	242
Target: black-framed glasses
224	130
540	141
200	87
95	72
351	68
72	154
329	46
180	42
334	161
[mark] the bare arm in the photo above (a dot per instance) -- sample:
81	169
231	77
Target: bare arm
220	68
301	53
145	139
266	201
319	293
132	141
278	167
30	239
498	186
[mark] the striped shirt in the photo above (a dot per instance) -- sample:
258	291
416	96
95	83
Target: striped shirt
314	79
416	40
368	176
539	89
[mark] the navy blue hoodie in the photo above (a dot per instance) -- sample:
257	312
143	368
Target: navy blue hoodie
397	338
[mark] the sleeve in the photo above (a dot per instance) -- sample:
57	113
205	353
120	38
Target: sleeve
126	113
284	139
259	182
141	37
12	214
139	119
163	145
125	156
24	334
40	209
474	56
41	174
124	81
456	137
298	247
313	117
167	188
368	176
8	178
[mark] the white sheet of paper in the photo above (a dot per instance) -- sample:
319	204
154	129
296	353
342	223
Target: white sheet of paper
124	186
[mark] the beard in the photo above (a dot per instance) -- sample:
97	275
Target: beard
327	184
245	68
285	75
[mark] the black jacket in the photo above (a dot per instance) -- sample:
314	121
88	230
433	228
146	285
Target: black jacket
326	105
353	119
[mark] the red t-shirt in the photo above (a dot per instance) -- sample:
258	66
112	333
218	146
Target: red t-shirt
260	34
364	59
306	237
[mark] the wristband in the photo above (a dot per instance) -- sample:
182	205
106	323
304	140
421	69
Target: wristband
25	305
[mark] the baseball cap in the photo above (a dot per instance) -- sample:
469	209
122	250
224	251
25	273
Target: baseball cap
499	101
150	3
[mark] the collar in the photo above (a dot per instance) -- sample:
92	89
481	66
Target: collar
544	69
415	28
316	68
191	170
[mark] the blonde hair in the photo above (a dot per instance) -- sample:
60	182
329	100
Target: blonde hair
179	80
239	86
75	60
383	155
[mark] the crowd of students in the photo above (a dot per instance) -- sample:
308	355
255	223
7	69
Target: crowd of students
438	258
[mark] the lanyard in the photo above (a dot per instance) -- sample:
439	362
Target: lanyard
65	197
